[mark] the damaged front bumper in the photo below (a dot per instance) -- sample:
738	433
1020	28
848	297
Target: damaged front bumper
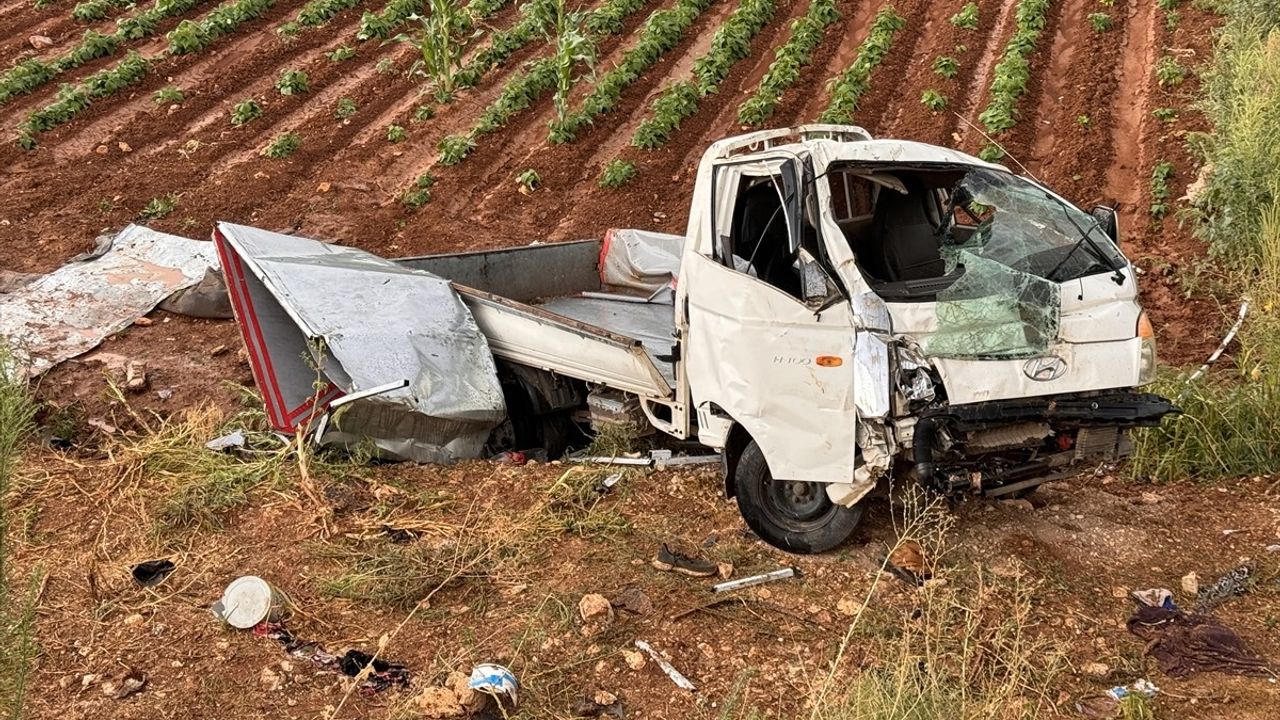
1059	431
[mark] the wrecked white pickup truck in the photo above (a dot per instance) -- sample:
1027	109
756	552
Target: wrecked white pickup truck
840	308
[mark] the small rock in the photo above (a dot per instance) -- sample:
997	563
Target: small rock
164	394
472	701
144	322
286	666
1119	592
40	42
324	186
1191	584
124	146
176	664
1149	498
1273	548
847	607
439	702
604	697
1020	504
634	660
764	593
88	679
134	619
633	600
65	681
219	350
1096	669
594	607
725	570
101	150
270	679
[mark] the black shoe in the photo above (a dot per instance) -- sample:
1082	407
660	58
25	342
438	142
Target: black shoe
667	559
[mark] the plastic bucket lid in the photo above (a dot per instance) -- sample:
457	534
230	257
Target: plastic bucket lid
248	601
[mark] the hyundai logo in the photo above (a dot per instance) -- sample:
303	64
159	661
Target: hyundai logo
1044	369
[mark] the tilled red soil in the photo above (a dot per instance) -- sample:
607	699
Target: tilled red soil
1086	129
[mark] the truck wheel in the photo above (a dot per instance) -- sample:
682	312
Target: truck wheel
795	516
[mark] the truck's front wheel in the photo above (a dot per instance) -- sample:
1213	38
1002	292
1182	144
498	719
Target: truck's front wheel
795	516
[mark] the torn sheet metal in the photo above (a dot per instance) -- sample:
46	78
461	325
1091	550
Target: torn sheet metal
640	259
74	308
321	321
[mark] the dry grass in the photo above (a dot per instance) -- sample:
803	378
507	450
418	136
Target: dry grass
968	648
17	614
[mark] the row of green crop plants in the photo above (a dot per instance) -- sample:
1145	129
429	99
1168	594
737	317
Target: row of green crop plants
1013	72
848	88
188	37
573	37
34	72
797	52
731	43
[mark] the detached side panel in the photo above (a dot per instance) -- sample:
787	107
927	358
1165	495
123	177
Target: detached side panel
277	347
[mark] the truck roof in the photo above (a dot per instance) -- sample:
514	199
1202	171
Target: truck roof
842	142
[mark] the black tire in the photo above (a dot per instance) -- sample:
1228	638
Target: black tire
795	516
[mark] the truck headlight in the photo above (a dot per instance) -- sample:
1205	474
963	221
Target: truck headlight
1147	357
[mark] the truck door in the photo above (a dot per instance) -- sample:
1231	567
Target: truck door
770	339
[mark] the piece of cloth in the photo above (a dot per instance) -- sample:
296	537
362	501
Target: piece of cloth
385	674
1184	644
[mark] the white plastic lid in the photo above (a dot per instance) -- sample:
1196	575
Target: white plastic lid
247	601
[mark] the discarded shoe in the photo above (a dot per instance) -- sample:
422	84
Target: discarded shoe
669	560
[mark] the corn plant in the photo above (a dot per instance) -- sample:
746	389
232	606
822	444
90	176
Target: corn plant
319	12
573	47
339	54
168	96
245	111
1160	176
967	18
659	34
529	180
453	148
440	41
797	52
293	82
420	194
933	100
1009	81
945	66
282	145
1169	73
345	109
617	173
72	100
396	134
1100	21
848	88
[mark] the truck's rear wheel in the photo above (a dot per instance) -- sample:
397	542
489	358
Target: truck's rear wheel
796	516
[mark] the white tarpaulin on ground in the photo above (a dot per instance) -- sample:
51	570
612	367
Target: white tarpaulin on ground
640	259
72	309
322	321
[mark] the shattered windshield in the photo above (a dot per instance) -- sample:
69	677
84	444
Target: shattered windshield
1018	224
1010	243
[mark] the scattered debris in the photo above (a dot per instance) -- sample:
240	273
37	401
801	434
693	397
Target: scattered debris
382	673
1096	669
668	560
1233	583
231	440
906	562
164	393
74	308
740	583
609	482
135	376
1141	686
152	572
219	350
497	682
248	601
1184	644
633	659
680	680
1154	597
510	457
207	299
664	459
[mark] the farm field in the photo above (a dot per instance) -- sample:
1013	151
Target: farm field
165	111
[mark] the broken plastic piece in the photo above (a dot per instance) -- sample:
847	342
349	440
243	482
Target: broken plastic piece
497	681
680	680
745	582
226	442
250	600
151	572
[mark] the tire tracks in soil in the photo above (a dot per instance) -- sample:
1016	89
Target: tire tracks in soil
839	48
1132	112
978	88
876	108
913	121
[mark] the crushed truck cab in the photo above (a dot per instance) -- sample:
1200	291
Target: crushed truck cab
841	310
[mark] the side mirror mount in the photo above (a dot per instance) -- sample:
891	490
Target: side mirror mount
816	285
1108	219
